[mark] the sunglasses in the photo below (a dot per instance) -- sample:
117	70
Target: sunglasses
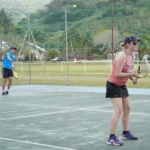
134	43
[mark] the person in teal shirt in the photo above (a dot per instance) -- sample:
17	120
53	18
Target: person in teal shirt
7	73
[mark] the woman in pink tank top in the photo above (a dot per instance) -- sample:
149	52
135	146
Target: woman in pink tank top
116	90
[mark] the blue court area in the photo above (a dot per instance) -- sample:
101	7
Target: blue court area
46	117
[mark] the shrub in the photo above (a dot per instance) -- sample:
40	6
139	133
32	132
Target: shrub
90	58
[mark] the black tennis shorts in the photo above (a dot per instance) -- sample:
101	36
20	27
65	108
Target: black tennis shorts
114	91
7	72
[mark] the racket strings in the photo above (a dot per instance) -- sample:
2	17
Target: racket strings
15	74
143	67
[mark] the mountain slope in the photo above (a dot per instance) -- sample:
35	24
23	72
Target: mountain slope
89	17
19	8
93	16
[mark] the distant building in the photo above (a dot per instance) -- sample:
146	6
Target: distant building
39	53
3	45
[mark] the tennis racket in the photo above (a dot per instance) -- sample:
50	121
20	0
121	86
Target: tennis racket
143	67
15	74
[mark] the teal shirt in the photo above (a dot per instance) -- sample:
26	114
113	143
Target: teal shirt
7	63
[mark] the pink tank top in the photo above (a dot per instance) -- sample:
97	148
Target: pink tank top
128	67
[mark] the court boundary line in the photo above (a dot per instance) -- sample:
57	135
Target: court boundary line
104	111
53	106
132	113
35	143
78	109
36	115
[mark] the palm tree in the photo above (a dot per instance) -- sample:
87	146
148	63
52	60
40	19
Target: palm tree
74	40
87	42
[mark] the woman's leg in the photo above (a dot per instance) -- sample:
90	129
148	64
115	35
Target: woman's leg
125	120
117	104
126	112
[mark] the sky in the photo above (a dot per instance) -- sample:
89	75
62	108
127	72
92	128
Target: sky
20	8
27	5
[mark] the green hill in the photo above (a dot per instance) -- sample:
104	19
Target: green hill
89	24
94	16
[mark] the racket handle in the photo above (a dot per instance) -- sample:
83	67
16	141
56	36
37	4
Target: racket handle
136	78
140	76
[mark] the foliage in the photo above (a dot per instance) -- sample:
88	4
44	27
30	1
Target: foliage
90	58
96	56
86	22
144	46
6	23
19	30
39	36
50	54
74	40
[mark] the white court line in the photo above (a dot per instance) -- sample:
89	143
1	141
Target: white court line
79	109
62	107
108	111
90	142
136	102
141	101
37	115
37	144
87	109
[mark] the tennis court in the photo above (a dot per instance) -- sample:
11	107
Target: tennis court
47	117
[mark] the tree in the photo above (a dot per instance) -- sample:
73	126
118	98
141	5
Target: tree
19	30
6	23
39	36
144	46
74	40
87	40
50	54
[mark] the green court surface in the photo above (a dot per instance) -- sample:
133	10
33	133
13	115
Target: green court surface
47	117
